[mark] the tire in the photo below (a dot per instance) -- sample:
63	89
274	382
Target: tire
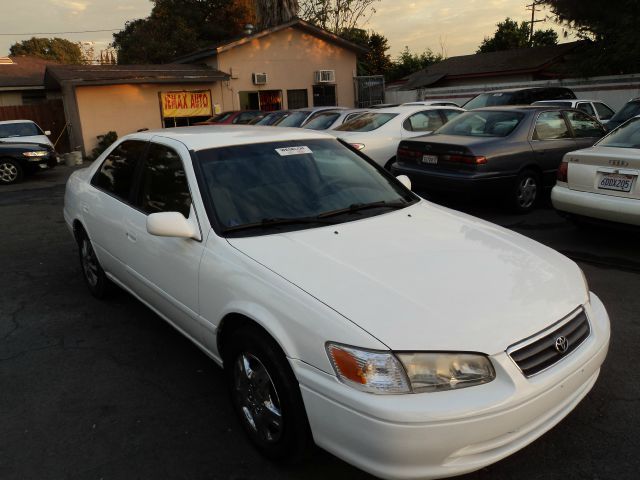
97	282
526	191
266	396
387	166
10	171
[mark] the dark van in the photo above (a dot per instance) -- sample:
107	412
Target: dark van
519	96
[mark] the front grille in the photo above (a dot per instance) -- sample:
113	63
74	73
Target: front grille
542	353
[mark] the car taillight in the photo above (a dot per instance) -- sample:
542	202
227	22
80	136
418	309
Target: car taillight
468	159
563	172
405	152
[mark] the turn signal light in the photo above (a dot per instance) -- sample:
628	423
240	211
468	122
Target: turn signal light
357	146
563	172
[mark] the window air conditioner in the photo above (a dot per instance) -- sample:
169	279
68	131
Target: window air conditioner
325	76
259	78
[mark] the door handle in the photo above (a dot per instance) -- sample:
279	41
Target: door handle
85	208
131	237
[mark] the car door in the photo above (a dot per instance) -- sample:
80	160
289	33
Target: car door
550	140
586	130
164	270
106	204
603	111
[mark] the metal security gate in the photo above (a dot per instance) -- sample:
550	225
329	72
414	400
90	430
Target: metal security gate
369	90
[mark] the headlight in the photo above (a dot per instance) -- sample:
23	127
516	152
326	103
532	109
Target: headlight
39	153
368	370
430	372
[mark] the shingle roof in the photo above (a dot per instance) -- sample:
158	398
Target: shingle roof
58	75
298	23
493	63
24	71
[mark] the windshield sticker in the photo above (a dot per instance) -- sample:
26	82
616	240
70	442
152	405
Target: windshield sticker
283	152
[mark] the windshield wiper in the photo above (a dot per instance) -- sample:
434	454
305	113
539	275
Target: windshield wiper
356	207
272	222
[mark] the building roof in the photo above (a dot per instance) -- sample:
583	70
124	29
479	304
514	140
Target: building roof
297	23
58	75
23	71
506	62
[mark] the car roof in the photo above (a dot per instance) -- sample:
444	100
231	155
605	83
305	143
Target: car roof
516	108
520	89
214	136
16	121
413	108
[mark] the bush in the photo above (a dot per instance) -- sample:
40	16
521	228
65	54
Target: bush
104	142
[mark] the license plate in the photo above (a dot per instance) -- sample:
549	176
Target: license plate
617	182
430	159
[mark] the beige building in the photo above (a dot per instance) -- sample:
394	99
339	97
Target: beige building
294	65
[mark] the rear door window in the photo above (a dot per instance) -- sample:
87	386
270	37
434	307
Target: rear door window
586	108
551	126
424	121
116	174
163	184
584	126
604	112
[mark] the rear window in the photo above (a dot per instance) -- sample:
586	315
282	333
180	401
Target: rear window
22	129
625	136
489	100
366	122
631	109
322	121
483	124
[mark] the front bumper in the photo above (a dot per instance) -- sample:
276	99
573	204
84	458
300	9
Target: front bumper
42	163
434	435
596	205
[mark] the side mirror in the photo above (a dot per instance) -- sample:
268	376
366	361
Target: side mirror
47	132
404	180
171	224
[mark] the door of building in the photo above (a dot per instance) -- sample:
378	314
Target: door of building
324	95
270	100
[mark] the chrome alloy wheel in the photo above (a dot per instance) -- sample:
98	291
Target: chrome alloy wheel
8	172
89	262
257	398
527	192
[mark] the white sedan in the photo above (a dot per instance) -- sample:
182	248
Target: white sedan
377	134
407	339
601	183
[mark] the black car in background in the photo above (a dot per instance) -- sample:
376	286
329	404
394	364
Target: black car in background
20	159
630	109
508	151
519	96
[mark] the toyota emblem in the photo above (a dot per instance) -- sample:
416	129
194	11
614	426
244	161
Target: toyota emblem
562	344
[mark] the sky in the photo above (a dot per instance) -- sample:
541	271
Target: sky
453	27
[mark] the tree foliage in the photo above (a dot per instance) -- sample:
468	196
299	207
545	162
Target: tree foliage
337	15
510	35
270	13
613	30
407	63
178	27
376	61
59	49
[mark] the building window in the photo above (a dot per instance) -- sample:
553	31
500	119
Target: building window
324	95
297	98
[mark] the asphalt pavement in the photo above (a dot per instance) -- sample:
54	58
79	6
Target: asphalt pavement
107	390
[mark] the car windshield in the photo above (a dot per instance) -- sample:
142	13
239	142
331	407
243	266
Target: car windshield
270	118
489	100
322	121
631	109
366	122
625	136
220	117
21	129
482	124
294	119
257	187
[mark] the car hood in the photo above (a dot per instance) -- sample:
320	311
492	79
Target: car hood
38	139
427	278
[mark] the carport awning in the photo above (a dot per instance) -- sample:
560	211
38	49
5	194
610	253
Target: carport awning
59	75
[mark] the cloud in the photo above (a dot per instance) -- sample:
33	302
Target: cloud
76	6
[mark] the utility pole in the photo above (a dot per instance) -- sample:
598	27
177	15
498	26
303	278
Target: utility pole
533	21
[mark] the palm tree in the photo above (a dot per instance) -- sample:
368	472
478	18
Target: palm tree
274	12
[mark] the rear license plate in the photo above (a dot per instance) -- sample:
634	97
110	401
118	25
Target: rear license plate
430	159
617	182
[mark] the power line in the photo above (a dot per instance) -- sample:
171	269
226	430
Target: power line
60	33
